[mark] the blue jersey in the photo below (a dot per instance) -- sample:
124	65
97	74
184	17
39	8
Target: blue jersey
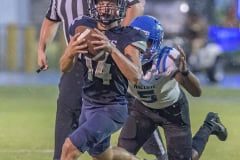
158	88
103	81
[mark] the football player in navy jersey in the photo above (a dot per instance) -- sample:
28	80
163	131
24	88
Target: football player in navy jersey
104	104
160	101
69	101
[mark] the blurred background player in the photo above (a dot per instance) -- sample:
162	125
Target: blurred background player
69	100
195	31
160	100
104	102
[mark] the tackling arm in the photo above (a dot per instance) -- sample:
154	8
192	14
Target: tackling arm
189	81
186	78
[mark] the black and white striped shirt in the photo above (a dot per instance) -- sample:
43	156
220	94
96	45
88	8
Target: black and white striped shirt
66	11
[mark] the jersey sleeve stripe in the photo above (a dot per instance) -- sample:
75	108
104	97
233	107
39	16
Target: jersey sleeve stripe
52	12
140	44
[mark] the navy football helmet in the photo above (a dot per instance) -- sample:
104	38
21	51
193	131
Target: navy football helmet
154	32
107	14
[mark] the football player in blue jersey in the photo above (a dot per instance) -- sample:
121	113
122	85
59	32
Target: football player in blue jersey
104	104
160	100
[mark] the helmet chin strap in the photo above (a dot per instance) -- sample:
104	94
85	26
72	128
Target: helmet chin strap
107	22
105	25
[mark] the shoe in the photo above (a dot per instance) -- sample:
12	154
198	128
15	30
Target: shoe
218	129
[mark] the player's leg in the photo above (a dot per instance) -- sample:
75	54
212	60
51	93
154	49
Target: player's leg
116	153
106	155
90	135
178	140
135	132
122	154
177	130
68	107
66	123
108	152
69	151
211	126
154	145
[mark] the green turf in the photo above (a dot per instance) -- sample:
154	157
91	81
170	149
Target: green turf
27	117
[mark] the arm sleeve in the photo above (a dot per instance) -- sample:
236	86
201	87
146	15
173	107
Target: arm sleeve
136	38
52	11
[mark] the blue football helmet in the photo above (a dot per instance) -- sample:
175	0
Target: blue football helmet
109	13
154	32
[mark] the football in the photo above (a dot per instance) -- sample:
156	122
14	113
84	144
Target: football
86	33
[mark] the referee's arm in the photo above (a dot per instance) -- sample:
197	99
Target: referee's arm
47	33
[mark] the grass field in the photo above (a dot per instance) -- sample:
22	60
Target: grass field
27	116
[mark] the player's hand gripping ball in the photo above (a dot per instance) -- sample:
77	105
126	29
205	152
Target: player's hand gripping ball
86	33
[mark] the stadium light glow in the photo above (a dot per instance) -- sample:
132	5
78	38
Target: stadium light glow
184	7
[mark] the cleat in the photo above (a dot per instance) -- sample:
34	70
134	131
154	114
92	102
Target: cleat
218	129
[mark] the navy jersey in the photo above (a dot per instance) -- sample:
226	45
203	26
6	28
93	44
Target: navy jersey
103	81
